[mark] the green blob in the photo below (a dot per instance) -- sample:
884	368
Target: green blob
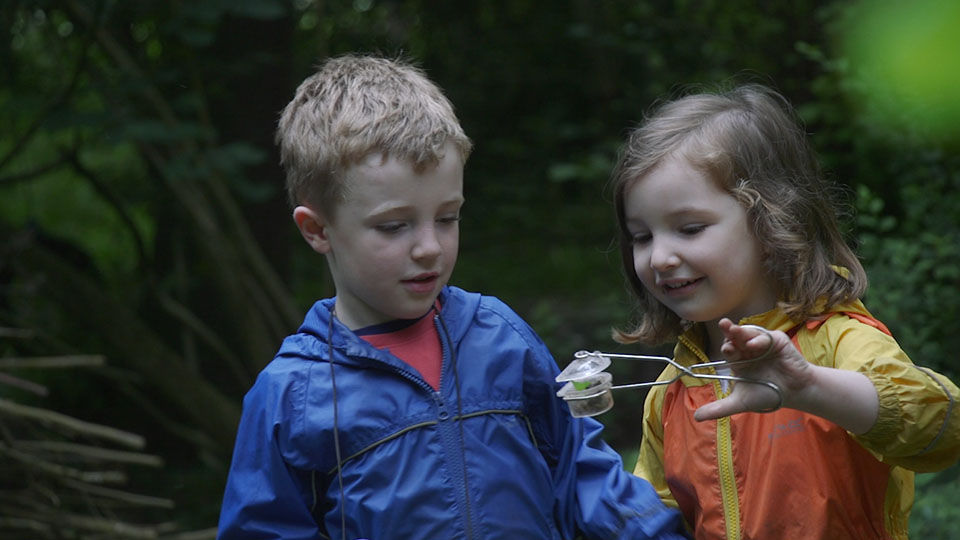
906	55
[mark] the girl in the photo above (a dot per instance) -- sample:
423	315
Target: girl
731	245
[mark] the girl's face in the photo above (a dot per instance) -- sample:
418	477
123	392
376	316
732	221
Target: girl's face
692	246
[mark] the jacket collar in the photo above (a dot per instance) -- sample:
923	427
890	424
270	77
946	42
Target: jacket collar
313	338
690	345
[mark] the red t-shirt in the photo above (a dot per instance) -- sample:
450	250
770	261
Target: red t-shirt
415	341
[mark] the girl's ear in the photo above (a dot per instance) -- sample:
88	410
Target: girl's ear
313	228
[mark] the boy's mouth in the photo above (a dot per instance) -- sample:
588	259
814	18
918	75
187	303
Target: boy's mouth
422	282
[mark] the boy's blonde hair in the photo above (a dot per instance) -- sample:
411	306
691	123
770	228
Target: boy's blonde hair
355	106
749	141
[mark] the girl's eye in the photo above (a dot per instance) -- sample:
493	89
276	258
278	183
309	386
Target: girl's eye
641	238
691	230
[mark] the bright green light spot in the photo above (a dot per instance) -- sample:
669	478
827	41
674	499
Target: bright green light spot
908	54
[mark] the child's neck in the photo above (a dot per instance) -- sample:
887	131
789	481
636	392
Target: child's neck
713	340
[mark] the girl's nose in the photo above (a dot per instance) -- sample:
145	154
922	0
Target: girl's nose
663	256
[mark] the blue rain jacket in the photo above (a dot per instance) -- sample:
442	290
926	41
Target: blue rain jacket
492	454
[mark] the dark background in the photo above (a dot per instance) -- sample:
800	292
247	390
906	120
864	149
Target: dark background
149	266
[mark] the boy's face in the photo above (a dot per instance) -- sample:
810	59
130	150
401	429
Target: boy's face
393	242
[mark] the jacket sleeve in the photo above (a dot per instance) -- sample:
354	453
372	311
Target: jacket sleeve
594	494
606	493
918	425
650	456
265	498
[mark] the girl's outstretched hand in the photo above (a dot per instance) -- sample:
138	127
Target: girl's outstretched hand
773	358
846	398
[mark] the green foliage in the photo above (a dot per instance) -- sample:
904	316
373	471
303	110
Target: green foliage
915	268
935	510
904	174
905	190
124	183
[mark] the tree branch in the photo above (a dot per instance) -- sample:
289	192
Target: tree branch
23	384
93	453
33	173
47	362
117	205
116	494
71	424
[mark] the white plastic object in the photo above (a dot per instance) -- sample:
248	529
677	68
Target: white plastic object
588	396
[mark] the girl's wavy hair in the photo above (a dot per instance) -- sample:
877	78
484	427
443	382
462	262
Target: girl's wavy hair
749	140
354	106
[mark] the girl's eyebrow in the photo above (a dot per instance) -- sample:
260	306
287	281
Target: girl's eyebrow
683	211
689	209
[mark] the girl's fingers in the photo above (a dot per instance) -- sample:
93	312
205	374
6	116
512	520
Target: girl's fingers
713	411
753	398
748	341
763	343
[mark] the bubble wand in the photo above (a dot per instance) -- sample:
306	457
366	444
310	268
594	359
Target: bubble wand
588	388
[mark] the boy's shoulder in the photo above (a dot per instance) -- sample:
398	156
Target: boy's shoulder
469	309
464	303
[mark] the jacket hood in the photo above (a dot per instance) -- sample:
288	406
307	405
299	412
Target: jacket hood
776	319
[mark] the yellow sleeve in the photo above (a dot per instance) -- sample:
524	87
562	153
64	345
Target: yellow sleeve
650	458
918	425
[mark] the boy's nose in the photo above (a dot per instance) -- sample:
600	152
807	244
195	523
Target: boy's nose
427	244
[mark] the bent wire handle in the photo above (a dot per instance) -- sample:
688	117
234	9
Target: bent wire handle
686	372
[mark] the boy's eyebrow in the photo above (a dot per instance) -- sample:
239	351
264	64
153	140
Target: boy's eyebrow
388	207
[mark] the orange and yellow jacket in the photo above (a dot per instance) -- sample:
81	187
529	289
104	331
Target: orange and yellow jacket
788	474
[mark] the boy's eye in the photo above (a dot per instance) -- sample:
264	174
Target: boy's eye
448	219
390	227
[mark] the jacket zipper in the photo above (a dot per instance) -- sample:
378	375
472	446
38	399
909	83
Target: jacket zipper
725	468
728	483
451	431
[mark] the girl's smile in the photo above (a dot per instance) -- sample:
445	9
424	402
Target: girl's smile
678	287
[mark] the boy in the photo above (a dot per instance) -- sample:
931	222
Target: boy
405	408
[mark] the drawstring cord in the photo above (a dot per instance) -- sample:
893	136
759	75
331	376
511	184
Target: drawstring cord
336	431
463	440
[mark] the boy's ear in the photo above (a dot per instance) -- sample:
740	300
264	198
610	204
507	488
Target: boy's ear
313	228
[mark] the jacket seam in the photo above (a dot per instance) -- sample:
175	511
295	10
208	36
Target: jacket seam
946	417
531	343
418	426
